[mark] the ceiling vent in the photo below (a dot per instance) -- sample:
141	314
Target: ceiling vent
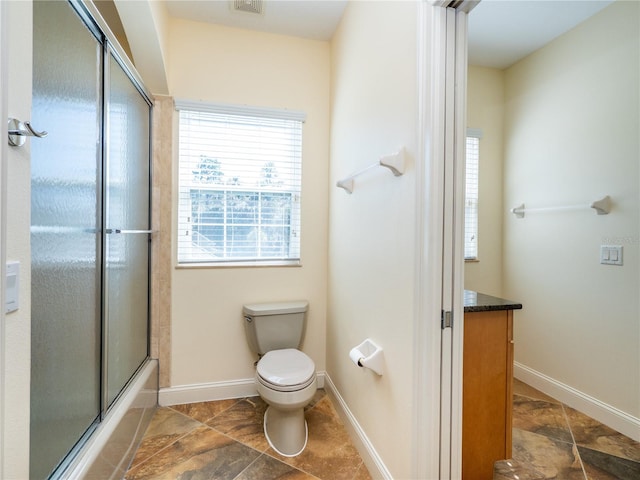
249	6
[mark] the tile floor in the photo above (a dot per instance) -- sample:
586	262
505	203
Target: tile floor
551	440
224	440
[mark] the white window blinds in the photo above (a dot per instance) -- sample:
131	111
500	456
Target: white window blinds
471	195
239	185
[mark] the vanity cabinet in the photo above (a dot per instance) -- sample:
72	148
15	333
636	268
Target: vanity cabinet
487	384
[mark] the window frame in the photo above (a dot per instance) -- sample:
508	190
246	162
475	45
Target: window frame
292	207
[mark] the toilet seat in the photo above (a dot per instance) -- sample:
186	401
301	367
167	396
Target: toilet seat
286	370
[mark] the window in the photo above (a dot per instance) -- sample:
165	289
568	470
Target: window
471	195
239	185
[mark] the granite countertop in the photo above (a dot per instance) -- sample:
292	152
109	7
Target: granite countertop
479	302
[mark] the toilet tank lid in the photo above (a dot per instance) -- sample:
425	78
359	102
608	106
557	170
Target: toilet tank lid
278	308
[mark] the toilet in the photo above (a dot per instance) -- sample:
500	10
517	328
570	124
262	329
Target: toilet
285	376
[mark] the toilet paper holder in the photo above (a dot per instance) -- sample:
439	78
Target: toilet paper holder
368	355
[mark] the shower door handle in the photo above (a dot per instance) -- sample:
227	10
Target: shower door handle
119	231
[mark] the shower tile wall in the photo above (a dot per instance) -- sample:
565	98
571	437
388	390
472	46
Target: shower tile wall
161	260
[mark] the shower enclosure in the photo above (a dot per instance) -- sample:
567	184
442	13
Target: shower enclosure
90	231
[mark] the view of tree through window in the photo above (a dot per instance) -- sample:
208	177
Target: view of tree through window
239	188
240	223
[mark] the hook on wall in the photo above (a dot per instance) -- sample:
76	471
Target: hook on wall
18	131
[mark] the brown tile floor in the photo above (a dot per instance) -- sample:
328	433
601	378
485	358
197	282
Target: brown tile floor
551	440
224	440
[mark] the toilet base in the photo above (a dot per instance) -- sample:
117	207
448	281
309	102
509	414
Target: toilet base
286	430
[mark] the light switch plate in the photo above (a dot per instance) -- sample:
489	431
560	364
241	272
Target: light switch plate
12	301
611	254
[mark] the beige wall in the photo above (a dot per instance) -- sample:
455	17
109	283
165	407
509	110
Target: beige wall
372	232
485	111
228	65
571	137
17	342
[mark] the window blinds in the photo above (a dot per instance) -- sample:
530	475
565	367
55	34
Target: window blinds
471	197
239	185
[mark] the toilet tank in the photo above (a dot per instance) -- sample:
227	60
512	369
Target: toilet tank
272	326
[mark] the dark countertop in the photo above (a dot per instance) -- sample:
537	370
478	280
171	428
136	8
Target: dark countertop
479	302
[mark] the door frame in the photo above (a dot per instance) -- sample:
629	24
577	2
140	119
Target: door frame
429	244
15	73
442	73
457	183
3	208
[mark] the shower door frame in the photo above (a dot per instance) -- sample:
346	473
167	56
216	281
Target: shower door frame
84	453
92	18
109	51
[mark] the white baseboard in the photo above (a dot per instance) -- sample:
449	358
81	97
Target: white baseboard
370	457
208	392
604	413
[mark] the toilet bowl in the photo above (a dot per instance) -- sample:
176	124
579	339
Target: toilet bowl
286	381
285	376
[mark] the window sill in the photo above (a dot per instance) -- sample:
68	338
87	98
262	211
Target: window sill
471	260
249	264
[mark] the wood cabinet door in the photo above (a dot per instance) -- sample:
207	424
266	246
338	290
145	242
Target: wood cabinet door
487	403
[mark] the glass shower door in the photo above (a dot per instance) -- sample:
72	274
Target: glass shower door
90	181
65	240
127	227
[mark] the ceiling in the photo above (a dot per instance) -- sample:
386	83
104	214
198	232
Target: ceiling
314	19
501	32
